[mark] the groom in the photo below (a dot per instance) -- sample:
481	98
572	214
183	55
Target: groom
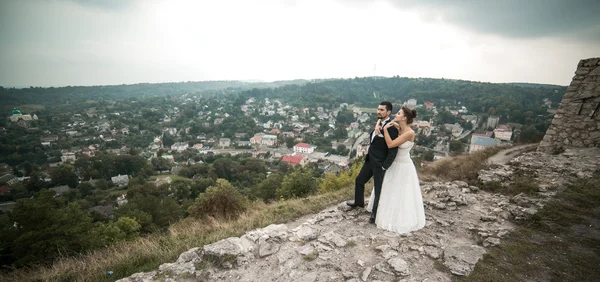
378	159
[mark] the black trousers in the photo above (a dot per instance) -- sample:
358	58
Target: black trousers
366	172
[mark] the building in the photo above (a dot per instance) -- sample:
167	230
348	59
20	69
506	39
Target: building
68	156
120	180
295	159
264	139
411	103
481	142
121	200
456	129
303	148
429	105
60	189
503	132
224	142
493	121
8	179
179	146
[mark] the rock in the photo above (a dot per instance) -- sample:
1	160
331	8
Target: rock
491	241
306	250
460	184
462	259
383	248
432	252
487	218
275	231
502	233
382	267
267	246
191	255
389	254
349	274
399	266
306	233
139	277
365	274
175	269
226	249
333	239
521	199
361	263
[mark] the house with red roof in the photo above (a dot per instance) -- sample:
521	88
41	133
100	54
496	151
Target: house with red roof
295	159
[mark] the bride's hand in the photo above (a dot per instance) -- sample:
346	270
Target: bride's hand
389	125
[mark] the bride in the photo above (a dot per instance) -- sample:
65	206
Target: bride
400	204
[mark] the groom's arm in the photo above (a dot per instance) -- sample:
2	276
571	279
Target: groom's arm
391	151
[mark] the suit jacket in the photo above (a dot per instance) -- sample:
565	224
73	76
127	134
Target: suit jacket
379	154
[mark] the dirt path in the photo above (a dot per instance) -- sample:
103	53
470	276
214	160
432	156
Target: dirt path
504	156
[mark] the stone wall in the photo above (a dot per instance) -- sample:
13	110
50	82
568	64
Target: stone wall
577	120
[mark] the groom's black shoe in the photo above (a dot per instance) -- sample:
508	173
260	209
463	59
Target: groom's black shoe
354	205
372	219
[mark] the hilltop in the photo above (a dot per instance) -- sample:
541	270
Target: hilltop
464	222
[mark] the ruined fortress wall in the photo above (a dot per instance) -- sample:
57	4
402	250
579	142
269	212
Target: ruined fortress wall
577	120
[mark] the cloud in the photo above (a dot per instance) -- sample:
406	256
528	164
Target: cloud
576	19
110	5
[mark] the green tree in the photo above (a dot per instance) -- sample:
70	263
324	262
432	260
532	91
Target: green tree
290	142
267	189
298	184
64	175
46	228
455	146
219	201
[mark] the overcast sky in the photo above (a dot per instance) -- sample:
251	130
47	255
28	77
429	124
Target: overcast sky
87	42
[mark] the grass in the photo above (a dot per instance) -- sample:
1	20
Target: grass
521	184
462	167
146	254
559	243
309	257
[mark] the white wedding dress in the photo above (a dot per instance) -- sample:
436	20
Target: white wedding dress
400	207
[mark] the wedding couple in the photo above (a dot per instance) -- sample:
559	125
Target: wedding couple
396	203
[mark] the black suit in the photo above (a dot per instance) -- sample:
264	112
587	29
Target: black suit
378	158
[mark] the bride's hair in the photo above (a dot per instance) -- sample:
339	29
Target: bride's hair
409	114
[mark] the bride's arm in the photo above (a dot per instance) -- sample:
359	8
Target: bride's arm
398	141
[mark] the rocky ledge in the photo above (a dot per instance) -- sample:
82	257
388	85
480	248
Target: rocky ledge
338	244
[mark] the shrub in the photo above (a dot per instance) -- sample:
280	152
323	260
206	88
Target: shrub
219	201
297	184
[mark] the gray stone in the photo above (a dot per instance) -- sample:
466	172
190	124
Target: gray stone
191	255
231	246
267	247
306	233
365	274
491	241
399	266
333	239
432	252
306	250
462	259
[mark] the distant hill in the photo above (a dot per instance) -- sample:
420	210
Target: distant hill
525	84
